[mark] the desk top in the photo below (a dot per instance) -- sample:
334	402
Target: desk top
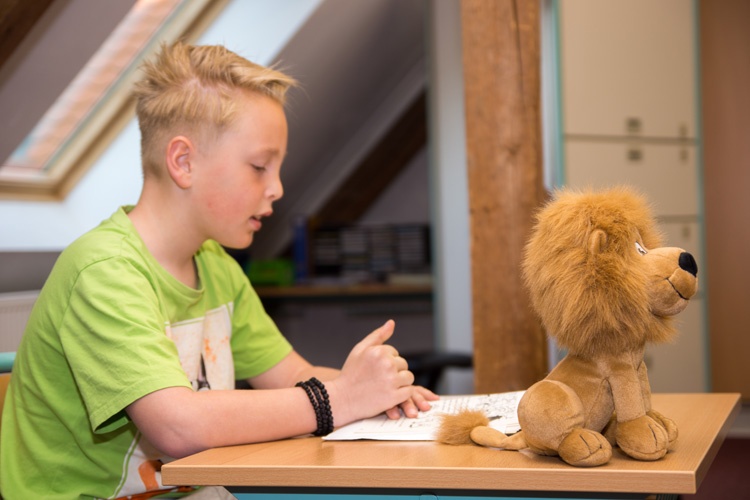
703	421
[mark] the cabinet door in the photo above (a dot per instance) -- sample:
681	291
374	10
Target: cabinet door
628	67
685	234
681	366
665	173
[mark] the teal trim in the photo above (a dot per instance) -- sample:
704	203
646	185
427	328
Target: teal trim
699	167
6	361
552	131
559	143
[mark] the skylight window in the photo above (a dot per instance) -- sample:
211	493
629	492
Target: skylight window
96	103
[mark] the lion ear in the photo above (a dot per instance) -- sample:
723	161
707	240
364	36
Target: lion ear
597	242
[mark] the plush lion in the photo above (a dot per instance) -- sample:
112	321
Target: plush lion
603	287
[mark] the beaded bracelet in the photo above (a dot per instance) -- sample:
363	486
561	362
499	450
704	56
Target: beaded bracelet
318	396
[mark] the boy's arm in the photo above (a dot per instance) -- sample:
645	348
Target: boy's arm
290	370
294	368
179	421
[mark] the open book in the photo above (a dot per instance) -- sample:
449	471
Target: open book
500	408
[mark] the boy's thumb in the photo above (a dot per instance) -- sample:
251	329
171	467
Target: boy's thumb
379	335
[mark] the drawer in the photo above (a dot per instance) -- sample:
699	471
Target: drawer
681	366
666	173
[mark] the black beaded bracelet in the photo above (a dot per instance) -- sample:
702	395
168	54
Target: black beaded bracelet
318	396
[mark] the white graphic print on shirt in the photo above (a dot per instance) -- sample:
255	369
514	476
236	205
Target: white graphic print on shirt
203	345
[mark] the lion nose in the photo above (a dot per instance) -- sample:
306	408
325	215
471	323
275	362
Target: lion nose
687	263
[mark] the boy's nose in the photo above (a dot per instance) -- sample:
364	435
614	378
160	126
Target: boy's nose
275	190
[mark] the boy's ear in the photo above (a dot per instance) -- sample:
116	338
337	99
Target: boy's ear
180	154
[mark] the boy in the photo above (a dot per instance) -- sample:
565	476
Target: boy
144	313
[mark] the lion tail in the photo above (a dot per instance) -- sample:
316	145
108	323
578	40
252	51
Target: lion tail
472	426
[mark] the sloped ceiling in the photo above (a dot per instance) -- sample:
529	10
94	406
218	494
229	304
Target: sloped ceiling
361	65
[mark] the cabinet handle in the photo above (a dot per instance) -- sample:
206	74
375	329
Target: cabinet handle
684	155
633	125
635	154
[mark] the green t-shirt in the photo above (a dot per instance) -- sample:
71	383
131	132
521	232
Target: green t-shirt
110	326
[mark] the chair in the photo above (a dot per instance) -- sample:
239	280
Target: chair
6	361
428	367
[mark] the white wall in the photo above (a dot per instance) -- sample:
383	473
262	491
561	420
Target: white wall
256	29
407	199
449	190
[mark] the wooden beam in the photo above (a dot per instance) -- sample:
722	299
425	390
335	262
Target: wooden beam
501	56
386	160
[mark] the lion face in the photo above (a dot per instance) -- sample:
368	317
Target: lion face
673	279
598	276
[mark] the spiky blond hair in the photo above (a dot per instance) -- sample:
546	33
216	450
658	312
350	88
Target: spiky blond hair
583	273
195	88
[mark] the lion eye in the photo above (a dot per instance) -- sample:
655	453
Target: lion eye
640	249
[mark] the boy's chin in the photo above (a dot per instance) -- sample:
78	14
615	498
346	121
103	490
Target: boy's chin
238	244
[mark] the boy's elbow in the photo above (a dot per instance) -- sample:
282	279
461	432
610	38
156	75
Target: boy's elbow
177	446
171	431
175	440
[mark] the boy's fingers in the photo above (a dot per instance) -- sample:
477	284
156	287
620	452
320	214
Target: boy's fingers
401	363
420	400
410	408
393	413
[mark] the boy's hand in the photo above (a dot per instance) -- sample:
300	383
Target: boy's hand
419	401
374	379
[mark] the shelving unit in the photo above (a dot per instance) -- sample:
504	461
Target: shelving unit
342	291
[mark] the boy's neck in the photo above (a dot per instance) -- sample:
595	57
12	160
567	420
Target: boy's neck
166	243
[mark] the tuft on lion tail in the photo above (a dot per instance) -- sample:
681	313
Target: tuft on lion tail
456	429
472	426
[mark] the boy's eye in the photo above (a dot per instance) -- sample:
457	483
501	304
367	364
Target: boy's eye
259	168
640	249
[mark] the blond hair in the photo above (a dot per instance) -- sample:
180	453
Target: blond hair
194	89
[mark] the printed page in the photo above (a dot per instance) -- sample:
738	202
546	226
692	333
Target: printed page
500	408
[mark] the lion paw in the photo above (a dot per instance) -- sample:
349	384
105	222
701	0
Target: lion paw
585	448
668	425
642	438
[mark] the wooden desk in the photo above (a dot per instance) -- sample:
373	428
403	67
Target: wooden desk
412	469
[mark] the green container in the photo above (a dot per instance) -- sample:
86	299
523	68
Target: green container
271	272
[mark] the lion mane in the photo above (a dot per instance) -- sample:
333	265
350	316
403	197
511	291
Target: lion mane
594	302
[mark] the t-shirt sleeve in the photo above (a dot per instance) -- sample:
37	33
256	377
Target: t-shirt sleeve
113	334
257	343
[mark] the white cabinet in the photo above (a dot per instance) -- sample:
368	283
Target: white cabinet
686	234
628	67
665	173
681	366
629	100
